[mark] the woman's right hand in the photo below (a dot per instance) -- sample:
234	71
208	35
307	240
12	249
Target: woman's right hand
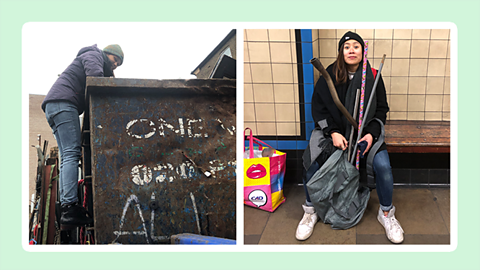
339	141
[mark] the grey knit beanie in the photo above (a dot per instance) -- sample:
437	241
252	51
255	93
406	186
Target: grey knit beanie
115	50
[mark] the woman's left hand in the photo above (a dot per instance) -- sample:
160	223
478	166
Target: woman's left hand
369	139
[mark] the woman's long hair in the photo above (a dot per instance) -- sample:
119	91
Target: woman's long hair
340	68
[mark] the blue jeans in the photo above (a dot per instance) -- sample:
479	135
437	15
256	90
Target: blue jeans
63	118
383	179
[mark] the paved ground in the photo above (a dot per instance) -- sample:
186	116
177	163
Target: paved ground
423	212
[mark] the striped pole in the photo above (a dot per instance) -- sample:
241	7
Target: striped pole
362	98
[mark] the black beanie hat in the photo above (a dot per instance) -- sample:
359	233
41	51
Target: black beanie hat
351	35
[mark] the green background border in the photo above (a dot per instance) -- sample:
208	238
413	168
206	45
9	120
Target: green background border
464	14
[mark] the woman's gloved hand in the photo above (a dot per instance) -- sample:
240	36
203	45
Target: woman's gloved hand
339	141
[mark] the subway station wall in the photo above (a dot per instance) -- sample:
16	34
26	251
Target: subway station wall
279	80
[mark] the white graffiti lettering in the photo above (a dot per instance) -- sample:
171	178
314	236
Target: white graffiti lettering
118	233
142	174
217	165
180	123
196	212
194	128
231	131
134	199
136	175
146	136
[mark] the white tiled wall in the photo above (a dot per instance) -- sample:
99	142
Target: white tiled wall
416	73
271	82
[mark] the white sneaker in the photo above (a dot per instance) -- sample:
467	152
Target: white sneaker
393	229
305	227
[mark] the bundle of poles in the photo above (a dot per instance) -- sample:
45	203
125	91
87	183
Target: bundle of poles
359	102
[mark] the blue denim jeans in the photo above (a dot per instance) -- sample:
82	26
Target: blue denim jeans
63	118
383	179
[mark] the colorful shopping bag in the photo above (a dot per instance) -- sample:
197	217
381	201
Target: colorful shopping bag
263	176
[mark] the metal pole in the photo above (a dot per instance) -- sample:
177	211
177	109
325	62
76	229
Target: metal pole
355	111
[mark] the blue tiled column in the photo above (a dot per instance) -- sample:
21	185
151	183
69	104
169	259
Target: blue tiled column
308	87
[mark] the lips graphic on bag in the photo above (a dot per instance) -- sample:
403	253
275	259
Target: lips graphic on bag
256	171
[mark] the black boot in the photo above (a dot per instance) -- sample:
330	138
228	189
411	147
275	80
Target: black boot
74	215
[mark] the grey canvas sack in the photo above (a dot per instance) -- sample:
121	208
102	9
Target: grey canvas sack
336	193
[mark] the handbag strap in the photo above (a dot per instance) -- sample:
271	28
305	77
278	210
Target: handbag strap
373	152
261	143
251	141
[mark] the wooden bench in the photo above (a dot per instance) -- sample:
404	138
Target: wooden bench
417	136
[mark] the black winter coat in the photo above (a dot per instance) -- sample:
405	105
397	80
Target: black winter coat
70	86
329	118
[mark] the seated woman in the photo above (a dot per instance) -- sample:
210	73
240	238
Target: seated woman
333	124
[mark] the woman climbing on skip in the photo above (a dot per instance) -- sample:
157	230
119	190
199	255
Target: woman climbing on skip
346	73
63	104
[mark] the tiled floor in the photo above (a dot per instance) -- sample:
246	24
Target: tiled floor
423	212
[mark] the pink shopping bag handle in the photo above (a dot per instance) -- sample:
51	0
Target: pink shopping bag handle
251	140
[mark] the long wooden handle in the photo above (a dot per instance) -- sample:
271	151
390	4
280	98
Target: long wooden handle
318	65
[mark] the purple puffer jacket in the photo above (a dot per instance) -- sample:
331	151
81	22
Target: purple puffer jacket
70	86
